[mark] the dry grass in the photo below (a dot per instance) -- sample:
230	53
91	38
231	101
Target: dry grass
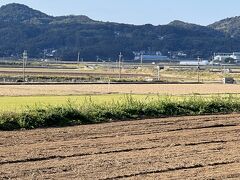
70	72
171	89
192	75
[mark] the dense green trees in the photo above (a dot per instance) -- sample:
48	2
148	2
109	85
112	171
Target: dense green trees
24	28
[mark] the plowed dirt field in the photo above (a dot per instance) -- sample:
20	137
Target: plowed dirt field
203	147
162	89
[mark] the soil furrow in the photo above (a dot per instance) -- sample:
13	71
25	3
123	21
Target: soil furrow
205	147
169	170
109	152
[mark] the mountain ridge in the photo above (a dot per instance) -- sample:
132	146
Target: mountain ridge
229	26
19	13
23	28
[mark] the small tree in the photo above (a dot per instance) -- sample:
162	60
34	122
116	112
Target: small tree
229	60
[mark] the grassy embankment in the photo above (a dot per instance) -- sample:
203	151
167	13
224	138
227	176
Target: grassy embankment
128	108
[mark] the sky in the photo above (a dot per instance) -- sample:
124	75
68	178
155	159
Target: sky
139	12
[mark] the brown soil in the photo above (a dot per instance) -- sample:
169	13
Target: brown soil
204	147
172	89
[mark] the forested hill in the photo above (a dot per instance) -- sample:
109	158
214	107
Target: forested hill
23	28
230	26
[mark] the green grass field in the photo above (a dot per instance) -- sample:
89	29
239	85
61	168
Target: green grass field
19	103
22	102
76	110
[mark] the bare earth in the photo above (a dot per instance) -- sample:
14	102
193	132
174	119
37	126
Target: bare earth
204	147
172	89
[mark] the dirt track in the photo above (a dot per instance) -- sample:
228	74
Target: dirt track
206	147
172	89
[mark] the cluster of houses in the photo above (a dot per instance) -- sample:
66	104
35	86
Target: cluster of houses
218	58
226	58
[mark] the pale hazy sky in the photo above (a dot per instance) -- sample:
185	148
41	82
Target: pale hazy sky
156	12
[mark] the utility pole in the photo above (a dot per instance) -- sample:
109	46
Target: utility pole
78	58
141	59
44	54
108	66
198	70
224	71
158	69
170	57
25	57
120	65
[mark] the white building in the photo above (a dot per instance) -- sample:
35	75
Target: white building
221	57
194	63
